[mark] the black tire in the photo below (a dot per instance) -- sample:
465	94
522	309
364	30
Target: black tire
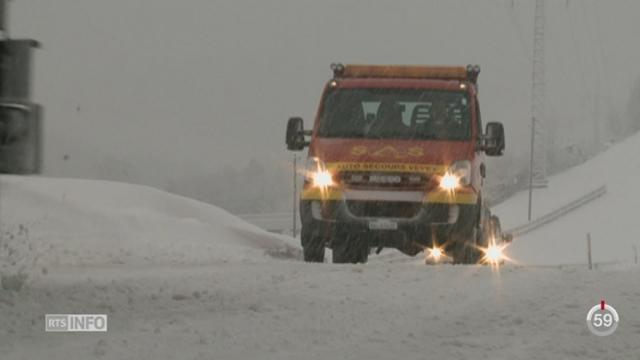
313	253
350	250
312	248
465	249
496	228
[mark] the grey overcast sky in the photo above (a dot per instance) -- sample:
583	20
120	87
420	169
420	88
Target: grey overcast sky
170	87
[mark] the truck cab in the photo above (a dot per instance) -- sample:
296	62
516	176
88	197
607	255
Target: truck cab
396	159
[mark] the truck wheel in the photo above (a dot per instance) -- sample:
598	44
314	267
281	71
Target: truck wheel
314	252
496	229
465	250
312	248
350	250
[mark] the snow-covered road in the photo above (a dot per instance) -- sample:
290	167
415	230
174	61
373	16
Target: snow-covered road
290	310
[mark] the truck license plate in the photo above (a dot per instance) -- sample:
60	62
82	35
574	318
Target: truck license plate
383	225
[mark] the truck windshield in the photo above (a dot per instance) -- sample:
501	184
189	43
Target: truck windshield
383	113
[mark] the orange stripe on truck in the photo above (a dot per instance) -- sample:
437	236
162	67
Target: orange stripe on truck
386	167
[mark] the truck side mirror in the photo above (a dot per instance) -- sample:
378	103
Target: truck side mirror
494	142
295	134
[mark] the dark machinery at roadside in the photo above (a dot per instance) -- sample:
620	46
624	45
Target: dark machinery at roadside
20	118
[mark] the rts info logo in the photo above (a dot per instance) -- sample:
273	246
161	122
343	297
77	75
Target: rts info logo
75	323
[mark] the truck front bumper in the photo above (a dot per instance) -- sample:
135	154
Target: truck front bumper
407	226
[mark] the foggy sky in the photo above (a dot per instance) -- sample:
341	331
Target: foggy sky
149	91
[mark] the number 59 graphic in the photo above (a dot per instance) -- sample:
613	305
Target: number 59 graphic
602	319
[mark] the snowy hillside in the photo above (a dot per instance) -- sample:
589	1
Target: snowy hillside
611	219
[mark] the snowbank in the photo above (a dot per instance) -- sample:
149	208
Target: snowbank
47	221
611	219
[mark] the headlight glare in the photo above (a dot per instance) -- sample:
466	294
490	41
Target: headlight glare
449	182
317	173
462	169
322	178
458	174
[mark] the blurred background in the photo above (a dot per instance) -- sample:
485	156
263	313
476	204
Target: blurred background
192	96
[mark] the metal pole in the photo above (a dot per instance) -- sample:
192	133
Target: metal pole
3	37
538	96
589	250
4	43
295	194
635	254
533	136
3	16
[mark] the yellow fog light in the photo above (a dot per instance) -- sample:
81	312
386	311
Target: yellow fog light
493	254
435	253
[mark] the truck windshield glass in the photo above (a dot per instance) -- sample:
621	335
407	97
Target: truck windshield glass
411	114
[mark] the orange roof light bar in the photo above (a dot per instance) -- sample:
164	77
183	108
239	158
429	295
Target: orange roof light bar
406	71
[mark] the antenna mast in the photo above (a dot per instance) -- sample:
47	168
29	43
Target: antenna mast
539	168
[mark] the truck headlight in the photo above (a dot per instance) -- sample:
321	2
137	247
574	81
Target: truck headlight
449	182
458	174
317	173
322	178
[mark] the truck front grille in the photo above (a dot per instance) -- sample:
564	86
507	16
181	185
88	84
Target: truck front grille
385	180
388	209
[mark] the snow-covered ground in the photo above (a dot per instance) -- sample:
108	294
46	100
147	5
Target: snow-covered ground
612	220
288	310
184	280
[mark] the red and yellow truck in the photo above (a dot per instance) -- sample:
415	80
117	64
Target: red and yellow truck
397	159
